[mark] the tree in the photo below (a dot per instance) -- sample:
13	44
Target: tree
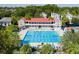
51	18
75	20
5	13
28	16
19	12
74	10
63	11
25	49
46	49
12	28
71	42
65	20
30	10
15	19
8	41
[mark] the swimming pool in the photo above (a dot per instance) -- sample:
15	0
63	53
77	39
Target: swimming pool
41	37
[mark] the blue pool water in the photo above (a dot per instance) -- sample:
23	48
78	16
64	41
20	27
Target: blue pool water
41	37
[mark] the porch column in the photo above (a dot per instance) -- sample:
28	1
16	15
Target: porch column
3	24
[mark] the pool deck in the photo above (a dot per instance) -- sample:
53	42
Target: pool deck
39	44
22	33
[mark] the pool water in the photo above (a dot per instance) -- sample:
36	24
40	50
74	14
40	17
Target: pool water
41	37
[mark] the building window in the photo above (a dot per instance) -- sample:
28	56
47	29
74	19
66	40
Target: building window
26	22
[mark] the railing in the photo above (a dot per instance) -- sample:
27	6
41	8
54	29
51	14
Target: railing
39	24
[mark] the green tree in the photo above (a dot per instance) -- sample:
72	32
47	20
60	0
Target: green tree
28	17
46	49
50	9
12	28
74	10
19	12
5	13
65	20
25	49
75	20
51	18
63	11
71	42
9	41
15	19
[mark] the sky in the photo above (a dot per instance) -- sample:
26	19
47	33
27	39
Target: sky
68	5
23	5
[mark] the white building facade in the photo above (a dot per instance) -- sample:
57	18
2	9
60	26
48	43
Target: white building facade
6	21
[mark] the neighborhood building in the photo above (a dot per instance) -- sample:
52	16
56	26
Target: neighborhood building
57	18
39	22
6	21
43	14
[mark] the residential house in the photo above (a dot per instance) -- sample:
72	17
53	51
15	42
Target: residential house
43	14
57	18
6	21
69	16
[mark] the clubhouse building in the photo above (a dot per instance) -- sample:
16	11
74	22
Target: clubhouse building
38	22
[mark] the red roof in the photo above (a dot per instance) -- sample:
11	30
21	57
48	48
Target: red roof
39	20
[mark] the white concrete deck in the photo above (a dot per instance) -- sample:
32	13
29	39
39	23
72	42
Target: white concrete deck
22	33
57	29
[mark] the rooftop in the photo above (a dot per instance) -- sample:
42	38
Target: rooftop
5	19
39	20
